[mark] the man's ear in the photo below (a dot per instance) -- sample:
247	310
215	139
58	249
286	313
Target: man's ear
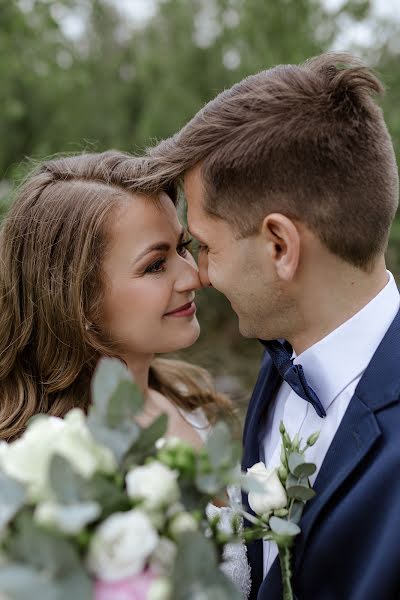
282	243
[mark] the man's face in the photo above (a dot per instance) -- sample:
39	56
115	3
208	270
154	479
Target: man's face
239	268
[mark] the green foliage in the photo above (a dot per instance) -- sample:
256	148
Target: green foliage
196	573
46	542
12	498
116	401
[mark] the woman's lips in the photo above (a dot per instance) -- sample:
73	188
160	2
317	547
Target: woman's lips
187	310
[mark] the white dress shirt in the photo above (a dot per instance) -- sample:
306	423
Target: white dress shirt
333	367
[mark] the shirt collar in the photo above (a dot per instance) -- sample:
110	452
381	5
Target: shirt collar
334	362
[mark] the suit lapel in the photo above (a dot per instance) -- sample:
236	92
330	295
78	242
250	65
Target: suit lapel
355	437
264	391
359	429
263	394
357	434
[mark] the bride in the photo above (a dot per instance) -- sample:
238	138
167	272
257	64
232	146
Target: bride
91	266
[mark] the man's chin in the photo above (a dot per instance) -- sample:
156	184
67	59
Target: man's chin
245	329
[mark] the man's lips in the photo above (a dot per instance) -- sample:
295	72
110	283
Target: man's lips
186	310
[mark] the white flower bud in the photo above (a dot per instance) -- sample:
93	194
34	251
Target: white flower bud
181	523
160	589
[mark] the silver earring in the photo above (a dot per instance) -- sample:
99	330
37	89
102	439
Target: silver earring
87	326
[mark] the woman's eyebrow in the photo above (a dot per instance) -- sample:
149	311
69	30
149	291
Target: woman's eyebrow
158	246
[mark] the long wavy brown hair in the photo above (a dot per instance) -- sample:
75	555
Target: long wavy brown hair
52	244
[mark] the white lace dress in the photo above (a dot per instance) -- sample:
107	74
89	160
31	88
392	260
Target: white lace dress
235	564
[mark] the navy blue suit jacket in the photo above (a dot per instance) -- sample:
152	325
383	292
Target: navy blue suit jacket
349	547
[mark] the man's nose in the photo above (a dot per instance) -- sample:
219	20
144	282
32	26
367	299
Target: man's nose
202	261
188	278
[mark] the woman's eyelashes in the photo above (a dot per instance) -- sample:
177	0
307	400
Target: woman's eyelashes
184	247
158	266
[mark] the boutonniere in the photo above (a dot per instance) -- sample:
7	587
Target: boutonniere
279	500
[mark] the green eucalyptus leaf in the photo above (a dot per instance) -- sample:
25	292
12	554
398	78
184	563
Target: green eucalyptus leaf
300	492
12	498
292	480
19	581
125	403
108	374
68	486
144	446
282	527
192	498
220	447
296	511
305	470
115	395
67	518
209	483
22	582
196	574
76	584
116	401
119	441
299	467
108	494
295	460
41	549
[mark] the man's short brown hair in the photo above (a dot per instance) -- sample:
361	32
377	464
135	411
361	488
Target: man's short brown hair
304	140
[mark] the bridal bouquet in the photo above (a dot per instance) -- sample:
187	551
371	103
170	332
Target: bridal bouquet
96	507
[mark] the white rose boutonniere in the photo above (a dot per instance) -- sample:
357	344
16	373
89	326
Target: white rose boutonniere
274	495
279	499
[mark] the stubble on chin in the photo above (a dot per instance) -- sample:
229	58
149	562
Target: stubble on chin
269	319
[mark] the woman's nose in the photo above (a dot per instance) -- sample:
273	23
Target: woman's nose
188	276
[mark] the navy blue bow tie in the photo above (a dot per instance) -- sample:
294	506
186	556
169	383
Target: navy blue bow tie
293	374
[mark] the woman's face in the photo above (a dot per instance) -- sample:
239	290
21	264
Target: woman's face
151	279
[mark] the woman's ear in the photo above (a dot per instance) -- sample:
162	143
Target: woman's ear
283	244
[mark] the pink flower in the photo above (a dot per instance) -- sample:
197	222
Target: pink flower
132	588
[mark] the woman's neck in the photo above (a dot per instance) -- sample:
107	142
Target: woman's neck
139	366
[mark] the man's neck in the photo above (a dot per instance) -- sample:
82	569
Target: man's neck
333	301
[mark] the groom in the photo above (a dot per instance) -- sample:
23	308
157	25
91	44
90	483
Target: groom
292	186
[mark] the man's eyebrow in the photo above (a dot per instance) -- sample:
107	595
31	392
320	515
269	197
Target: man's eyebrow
158	246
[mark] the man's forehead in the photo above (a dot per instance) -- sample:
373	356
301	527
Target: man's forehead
193	185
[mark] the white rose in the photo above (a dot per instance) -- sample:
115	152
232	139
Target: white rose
154	483
28	458
121	545
181	523
78	446
274	495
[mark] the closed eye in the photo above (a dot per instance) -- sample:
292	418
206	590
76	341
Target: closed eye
184	247
156	267
203	248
